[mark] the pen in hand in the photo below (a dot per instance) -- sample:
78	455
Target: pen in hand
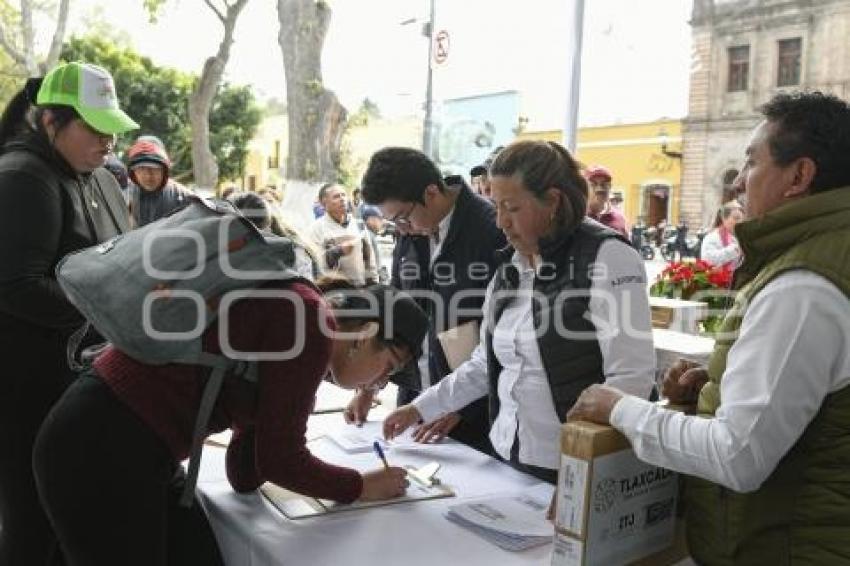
377	446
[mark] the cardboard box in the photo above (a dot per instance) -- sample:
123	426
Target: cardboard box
611	508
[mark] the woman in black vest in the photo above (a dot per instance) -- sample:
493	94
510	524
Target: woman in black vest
55	198
567	308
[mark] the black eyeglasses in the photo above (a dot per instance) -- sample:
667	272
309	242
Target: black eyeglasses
398	367
403	218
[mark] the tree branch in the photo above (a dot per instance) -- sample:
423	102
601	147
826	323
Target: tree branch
28	38
216	11
10	49
58	36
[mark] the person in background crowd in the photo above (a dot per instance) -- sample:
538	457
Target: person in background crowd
599	206
478	178
229	192
152	194
106	455
355	207
256	209
119	171
720	247
374	222
541	342
344	245
449	236
617	202
318	209
769	450
55	198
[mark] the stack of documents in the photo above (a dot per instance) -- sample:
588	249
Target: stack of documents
513	523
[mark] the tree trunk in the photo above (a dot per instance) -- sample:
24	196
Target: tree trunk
316	118
204	165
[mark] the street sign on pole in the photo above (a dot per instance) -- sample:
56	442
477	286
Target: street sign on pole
440	49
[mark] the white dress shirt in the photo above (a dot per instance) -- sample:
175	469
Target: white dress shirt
527	411
793	350
435	245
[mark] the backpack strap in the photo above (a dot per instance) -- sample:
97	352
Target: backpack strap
221	368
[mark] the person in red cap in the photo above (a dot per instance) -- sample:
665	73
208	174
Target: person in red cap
598	205
152	194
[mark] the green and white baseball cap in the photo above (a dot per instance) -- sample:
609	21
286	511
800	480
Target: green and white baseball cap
89	89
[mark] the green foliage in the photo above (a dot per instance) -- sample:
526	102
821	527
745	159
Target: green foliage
366	113
11	81
157	98
351	168
152	8
234	119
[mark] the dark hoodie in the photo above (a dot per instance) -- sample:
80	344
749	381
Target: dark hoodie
46	211
147	206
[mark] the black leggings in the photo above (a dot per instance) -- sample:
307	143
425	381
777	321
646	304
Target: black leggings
107	483
28	393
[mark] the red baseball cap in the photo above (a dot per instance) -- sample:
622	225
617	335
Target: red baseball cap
597	172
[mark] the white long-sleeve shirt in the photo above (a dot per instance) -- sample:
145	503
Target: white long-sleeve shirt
527	411
714	252
326	233
792	351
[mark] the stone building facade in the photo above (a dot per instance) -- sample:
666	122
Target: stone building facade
745	51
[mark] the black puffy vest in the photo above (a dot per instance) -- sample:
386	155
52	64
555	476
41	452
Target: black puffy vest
571	363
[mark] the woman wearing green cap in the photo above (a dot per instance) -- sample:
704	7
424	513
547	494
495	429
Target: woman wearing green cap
55	198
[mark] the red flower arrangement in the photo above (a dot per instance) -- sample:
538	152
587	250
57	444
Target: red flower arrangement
682	280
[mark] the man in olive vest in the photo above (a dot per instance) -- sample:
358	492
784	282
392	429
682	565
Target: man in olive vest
769	453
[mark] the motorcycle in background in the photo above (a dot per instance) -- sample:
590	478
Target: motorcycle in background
642	237
677	241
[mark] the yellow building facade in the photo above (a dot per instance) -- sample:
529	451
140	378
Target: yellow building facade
644	160
266	159
267	151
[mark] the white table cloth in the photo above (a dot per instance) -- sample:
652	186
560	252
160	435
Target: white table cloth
251	532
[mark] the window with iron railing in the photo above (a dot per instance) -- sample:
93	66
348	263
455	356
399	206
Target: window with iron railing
739	68
789	56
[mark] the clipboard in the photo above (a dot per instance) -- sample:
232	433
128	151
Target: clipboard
424	485
459	342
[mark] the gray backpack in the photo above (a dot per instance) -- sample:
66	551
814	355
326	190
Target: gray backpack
153	291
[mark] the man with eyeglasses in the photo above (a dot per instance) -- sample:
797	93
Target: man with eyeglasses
448	238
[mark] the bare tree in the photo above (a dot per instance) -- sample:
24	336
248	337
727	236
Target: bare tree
316	118
204	165
19	43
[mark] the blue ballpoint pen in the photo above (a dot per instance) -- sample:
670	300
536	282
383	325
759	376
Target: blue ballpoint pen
377	446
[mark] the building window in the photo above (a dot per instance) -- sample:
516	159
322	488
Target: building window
788	68
739	68
274	158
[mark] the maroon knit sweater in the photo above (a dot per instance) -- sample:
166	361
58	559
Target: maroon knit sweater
269	420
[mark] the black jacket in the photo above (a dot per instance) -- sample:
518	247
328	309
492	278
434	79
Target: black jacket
46	212
466	262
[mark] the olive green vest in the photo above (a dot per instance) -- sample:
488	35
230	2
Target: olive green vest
801	513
